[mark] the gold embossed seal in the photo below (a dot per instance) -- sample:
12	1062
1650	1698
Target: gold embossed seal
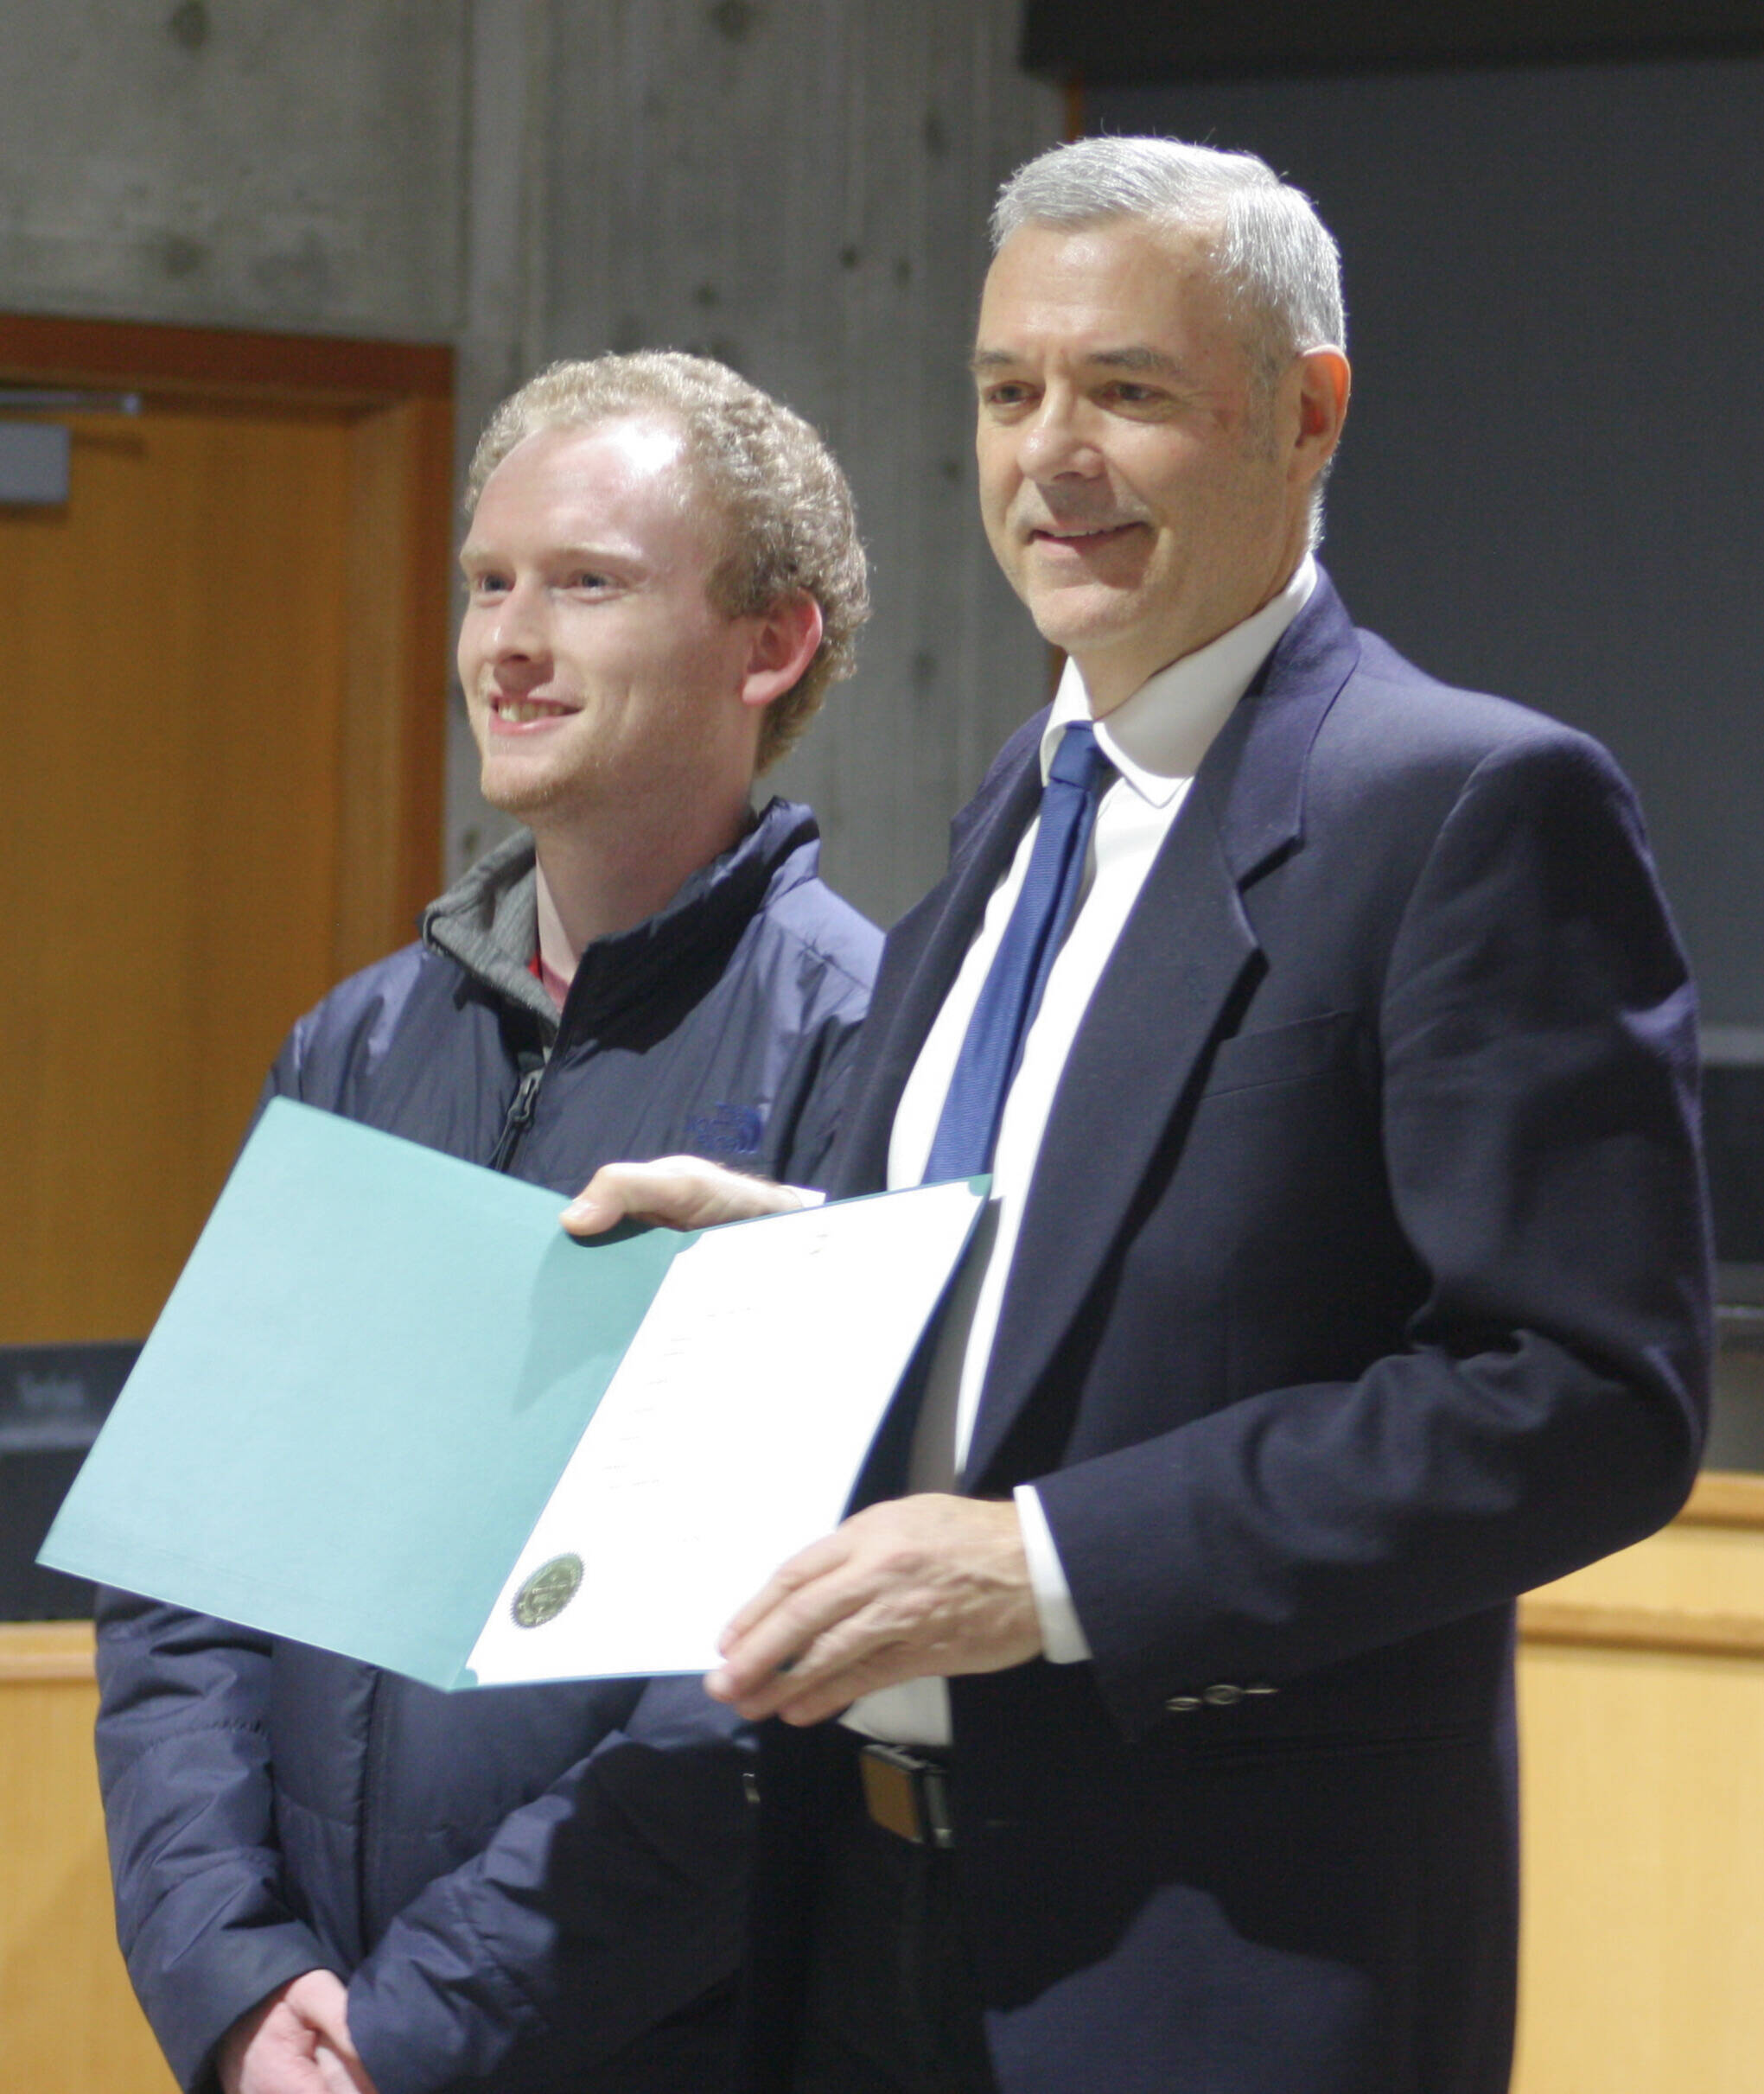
548	1592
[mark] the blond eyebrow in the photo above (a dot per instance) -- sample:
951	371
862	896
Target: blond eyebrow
590	555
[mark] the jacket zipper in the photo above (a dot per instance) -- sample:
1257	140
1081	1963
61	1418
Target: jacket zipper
374	1761
514	1125
520	1113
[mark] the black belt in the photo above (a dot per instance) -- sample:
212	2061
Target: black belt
906	1793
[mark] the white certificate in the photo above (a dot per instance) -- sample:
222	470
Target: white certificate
729	1438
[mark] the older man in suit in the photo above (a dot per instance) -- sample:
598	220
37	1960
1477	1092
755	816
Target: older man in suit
1344	1272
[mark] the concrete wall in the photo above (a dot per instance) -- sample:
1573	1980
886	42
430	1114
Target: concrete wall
236	163
796	185
801	188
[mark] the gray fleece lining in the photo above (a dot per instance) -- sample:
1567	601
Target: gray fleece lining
488	920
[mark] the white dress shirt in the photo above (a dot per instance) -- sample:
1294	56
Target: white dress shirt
1155	741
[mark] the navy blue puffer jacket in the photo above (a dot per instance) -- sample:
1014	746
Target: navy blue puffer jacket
526	1887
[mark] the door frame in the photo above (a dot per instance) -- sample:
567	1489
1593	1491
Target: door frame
397	400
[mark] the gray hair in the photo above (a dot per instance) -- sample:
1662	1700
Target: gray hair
1270	249
786	512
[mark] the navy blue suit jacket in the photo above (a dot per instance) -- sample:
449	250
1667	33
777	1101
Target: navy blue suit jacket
1362	1284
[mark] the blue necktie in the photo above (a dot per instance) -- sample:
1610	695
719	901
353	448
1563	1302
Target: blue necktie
1012	991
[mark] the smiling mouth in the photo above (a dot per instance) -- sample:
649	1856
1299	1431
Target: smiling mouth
526	712
1083	537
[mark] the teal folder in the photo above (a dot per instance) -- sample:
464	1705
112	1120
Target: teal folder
363	1389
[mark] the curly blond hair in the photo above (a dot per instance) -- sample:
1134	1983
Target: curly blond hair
786	514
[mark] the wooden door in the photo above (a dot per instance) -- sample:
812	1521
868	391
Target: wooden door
223	675
223	681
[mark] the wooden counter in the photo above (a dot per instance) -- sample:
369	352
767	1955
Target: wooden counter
1642	1708
69	2021
1641	1697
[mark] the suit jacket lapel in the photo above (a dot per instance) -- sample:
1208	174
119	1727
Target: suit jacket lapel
1171	986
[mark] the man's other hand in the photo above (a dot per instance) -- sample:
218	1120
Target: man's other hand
917	1586
295	2042
676	1191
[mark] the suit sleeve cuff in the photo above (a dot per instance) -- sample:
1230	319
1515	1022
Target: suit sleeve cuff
1063	1640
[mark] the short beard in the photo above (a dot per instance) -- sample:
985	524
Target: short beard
535	801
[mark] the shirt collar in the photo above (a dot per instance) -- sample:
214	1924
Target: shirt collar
1157	738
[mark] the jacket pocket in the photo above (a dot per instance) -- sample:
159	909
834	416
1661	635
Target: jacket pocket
1281	1053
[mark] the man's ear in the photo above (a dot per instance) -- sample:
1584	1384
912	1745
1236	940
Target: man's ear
785	640
1322	380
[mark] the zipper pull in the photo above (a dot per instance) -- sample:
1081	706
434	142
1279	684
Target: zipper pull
520	1112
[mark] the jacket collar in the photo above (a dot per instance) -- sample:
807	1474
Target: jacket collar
1250	786
488	924
1253	776
1172	983
1186	957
